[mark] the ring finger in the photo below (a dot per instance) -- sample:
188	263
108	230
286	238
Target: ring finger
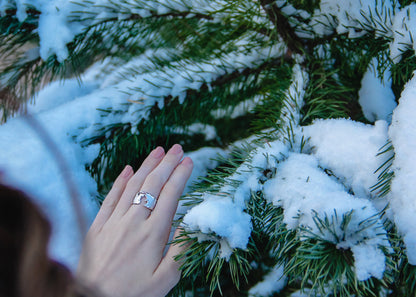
155	181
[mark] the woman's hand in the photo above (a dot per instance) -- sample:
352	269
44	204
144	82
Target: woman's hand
123	254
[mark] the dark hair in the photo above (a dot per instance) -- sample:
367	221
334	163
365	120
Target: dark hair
25	268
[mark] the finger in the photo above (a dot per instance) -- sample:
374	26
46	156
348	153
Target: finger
135	183
167	204
157	178
168	272
112	198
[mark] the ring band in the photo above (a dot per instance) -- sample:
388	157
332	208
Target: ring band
145	199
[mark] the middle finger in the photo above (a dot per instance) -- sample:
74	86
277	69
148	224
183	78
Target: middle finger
135	183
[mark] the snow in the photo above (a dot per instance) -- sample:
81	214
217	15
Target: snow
272	283
304	293
28	164
303	189
290	113
240	109
402	133
62	108
349	149
198	128
68	90
368	261
56	26
204	159
357	17
307	194
352	16
375	96
220	215
223	214
56	29
55	15
175	80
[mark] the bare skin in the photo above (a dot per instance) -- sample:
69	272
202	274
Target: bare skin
123	254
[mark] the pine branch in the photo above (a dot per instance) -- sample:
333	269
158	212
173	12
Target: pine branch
218	58
325	96
282	25
79	15
322	266
402	72
401	273
9	104
385	174
157	128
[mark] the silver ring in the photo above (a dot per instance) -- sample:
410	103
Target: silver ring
145	199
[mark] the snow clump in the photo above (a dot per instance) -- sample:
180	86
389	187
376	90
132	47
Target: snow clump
273	282
376	96
402	133
308	195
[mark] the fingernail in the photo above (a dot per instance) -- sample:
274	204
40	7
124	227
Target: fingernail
187	161
157	152
126	171
176	149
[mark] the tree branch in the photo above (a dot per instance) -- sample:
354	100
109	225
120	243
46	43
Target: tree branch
281	23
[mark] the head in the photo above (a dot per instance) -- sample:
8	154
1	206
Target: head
25	268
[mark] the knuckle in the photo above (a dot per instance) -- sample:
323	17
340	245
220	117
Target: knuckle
134	181
160	230
173	189
145	168
149	233
109	203
171	275
176	183
145	234
174	273
156	229
156	178
131	182
171	159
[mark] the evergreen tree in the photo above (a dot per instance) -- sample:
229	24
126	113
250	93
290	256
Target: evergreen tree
312	190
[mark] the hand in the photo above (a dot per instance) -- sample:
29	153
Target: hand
123	254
